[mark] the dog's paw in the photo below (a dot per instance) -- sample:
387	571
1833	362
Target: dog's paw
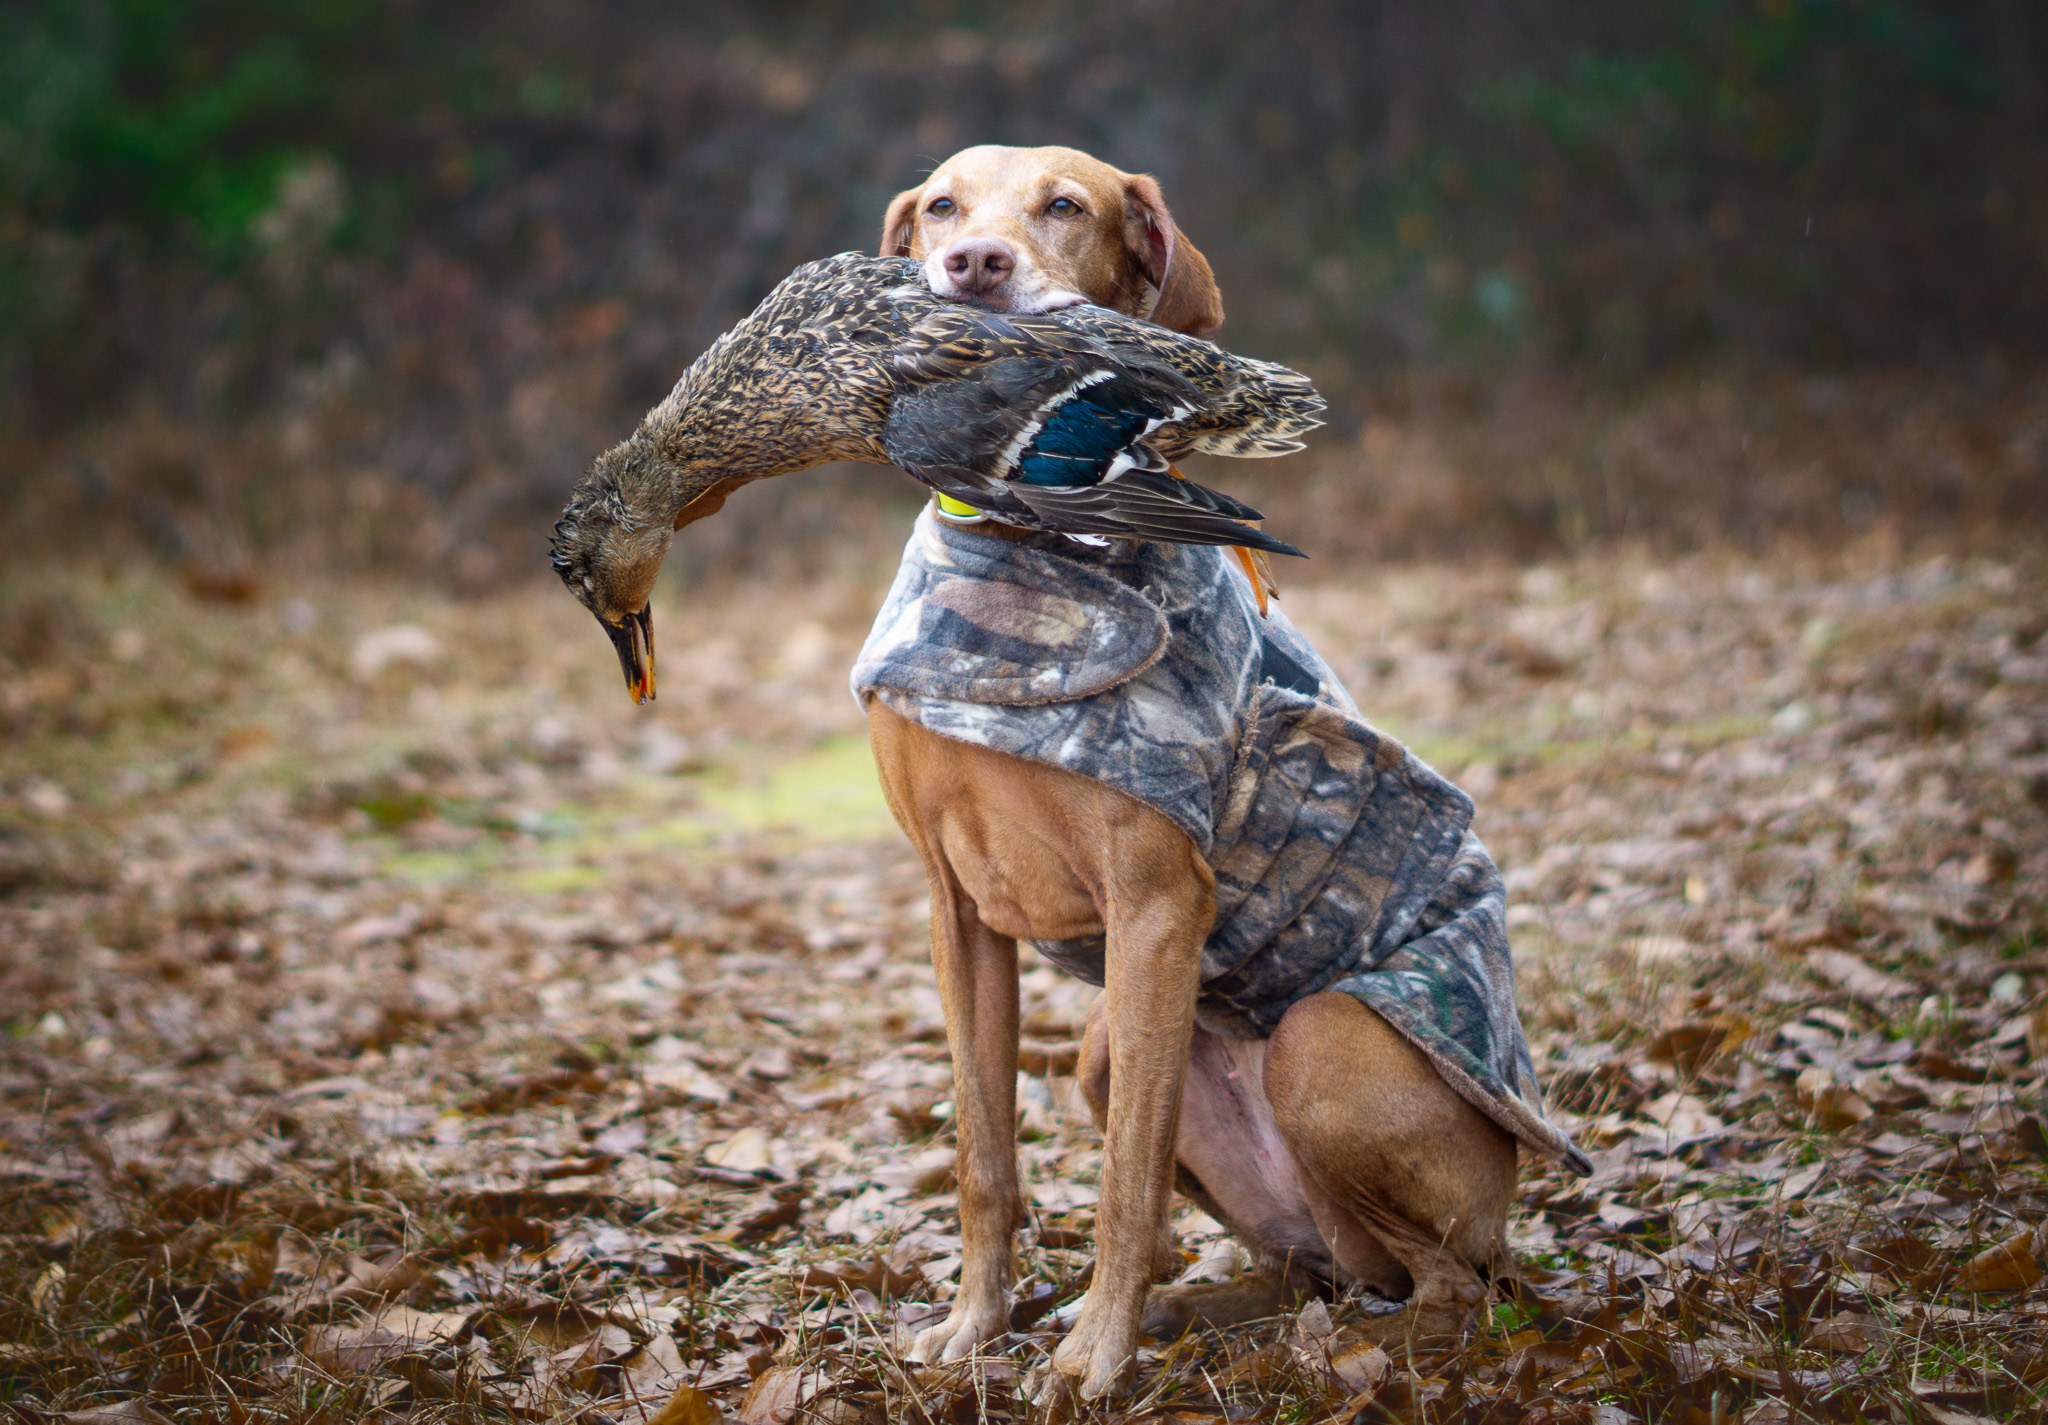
966	1329
1094	1363
1172	1310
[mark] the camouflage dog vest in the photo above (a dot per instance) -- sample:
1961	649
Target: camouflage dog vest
1342	861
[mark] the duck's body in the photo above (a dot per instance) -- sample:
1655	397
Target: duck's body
1065	421
1062	421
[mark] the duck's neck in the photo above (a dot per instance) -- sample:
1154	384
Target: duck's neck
683	461
733	418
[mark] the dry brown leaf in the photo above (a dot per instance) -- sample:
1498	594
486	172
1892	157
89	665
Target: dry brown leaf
1847	1333
553	1325
128	1412
1692	1045
1858	978
929	1171
879	1276
354	1347
1342	1355
654	1371
1361	1368
48	1292
1254	1370
579	1362
686	1079
774	1397
747	1151
1833	1106
1943	1415
2037	1032
369	1281
688	1406
2009	1266
1312	1325
1046	1060
765	1214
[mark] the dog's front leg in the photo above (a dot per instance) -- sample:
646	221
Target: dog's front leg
1156	925
977	974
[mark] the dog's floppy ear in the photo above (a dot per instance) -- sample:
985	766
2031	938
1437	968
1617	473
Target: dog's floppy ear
899	224
1188	299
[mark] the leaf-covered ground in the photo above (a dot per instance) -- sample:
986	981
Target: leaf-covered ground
398	1025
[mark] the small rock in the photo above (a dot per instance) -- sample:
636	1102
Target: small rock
1793	718
46	797
397	643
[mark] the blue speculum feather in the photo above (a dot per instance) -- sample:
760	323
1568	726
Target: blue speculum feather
1078	442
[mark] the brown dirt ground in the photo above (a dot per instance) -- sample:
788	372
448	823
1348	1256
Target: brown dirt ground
398	1025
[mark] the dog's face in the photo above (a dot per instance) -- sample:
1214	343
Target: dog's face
1036	229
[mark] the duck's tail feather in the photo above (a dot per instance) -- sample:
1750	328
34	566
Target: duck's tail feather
1264	412
1144	504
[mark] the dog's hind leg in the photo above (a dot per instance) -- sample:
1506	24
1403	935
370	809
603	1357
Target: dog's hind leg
1395	1165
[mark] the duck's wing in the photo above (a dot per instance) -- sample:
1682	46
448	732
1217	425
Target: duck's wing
1242	407
1053	437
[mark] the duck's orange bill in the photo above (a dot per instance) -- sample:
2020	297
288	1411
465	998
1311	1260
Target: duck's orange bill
633	637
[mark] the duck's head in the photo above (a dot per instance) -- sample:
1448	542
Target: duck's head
616	530
610	555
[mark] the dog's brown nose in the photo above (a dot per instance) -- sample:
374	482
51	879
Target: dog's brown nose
980	264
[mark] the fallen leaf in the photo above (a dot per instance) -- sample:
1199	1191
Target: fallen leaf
2009	1266
1362	1368
1046	1060
772	1210
878	1276
2037	1032
1681	1115
773	1398
929	1171
688	1406
1691	1046
1859	979
653	1372
1833	1106
369	1281
747	1151
1032	1307
1943	1415
1255	1370
48	1292
687	1079
579	1362
1848	1333
359	1346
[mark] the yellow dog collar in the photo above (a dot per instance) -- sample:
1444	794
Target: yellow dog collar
958	511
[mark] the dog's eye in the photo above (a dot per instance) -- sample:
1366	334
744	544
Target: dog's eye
1064	208
941	208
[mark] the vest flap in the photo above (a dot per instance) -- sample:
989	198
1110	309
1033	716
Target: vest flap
1023	629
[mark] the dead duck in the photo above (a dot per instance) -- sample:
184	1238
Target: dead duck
1062	421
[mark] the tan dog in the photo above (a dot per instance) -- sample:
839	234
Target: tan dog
1035	229
1332	1149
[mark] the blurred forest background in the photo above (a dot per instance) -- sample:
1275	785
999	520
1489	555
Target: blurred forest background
396	1025
364	284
